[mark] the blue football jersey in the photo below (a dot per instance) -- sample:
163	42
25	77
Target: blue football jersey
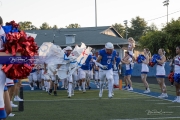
107	59
86	65
92	63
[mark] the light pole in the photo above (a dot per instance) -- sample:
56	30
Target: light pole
126	22
95	14
166	3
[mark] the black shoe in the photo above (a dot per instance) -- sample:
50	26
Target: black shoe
89	87
55	93
50	91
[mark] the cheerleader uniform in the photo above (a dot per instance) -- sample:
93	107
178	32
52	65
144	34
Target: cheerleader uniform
176	72
145	68
160	73
130	51
160	70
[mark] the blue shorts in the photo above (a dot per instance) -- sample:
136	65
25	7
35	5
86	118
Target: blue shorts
144	72
5	88
16	81
160	76
128	72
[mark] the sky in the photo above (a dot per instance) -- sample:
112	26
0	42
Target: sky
65	12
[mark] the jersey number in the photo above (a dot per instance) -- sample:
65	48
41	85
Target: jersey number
109	61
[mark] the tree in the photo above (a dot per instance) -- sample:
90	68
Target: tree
152	27
153	40
73	26
138	27
55	27
45	26
168	38
27	25
172	31
120	29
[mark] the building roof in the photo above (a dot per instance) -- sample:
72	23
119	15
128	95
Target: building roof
88	35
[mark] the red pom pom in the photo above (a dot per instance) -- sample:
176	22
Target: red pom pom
19	42
17	71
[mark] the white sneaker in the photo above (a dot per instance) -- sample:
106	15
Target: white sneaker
13	105
97	86
69	96
130	89
17	98
147	91
11	115
163	95
84	91
32	88
176	99
126	88
80	89
110	95
101	93
62	87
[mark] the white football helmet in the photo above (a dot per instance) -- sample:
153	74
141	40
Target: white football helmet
109	45
68	48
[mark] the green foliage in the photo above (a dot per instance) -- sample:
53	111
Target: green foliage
55	27
138	27
168	38
153	40
120	29
27	25
45	26
76	25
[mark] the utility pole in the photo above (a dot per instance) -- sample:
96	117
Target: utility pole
166	3
95	14
126	22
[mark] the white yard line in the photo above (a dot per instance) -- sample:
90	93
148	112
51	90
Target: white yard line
153	100
163	103
81	99
157	118
173	106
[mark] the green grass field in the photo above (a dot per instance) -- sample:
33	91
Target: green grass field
38	105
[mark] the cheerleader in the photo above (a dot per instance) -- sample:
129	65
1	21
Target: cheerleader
131	46
160	73
127	77
177	71
3	114
145	69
